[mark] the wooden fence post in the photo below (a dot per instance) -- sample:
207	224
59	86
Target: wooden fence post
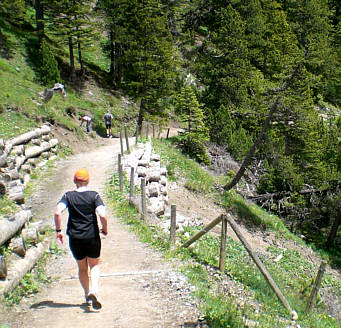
132	175
127	139
119	162
136	135
203	231
159	132
223	245
143	198
121	177
316	287
153	130
173	226
147	131
261	267
121	142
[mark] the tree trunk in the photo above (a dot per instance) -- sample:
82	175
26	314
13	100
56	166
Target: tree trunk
140	117
333	230
112	57
39	8
72	59
252	150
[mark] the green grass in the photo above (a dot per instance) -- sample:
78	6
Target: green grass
293	273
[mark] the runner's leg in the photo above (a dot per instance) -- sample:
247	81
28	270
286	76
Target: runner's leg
83	274
94	274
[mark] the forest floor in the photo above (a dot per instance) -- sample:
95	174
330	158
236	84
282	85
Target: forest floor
137	287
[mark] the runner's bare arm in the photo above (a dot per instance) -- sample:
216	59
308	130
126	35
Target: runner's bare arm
57	222
104	223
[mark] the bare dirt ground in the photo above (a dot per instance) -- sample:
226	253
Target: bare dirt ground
137	288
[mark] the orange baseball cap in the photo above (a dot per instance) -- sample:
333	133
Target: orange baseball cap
82	175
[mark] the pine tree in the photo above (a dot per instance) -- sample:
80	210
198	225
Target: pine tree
69	21
149	57
49	73
190	113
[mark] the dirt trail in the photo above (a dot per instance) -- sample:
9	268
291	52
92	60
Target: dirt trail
137	288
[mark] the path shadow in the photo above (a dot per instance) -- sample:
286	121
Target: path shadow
52	304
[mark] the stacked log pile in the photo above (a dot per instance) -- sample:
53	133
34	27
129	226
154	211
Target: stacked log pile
147	165
19	156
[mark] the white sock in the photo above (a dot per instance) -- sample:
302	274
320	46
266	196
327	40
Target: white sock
94	274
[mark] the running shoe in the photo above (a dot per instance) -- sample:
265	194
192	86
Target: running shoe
96	304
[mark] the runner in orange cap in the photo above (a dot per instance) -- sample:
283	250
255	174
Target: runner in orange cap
83	232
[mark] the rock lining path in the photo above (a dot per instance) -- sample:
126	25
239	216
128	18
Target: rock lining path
137	288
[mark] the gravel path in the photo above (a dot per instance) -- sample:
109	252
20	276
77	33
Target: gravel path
137	288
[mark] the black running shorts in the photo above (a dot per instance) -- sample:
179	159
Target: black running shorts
108	125
82	248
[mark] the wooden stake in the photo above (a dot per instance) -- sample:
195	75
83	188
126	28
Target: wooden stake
132	175
153	130
127	139
121	142
203	231
147	131
119	162
167	133
173	226
223	245
316	287
143	198
121	177
261	267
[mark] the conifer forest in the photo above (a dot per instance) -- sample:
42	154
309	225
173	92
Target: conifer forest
258	79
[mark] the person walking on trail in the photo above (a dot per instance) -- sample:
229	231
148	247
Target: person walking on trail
88	121
83	232
107	120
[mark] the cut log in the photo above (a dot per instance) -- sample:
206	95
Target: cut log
3	268
37	150
14	183
3	189
36	142
18	246
16	194
30	235
9	227
26	137
19	269
3	160
17	150
26	168
19	161
11	175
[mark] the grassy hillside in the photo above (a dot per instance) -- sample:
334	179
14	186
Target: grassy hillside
21	107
